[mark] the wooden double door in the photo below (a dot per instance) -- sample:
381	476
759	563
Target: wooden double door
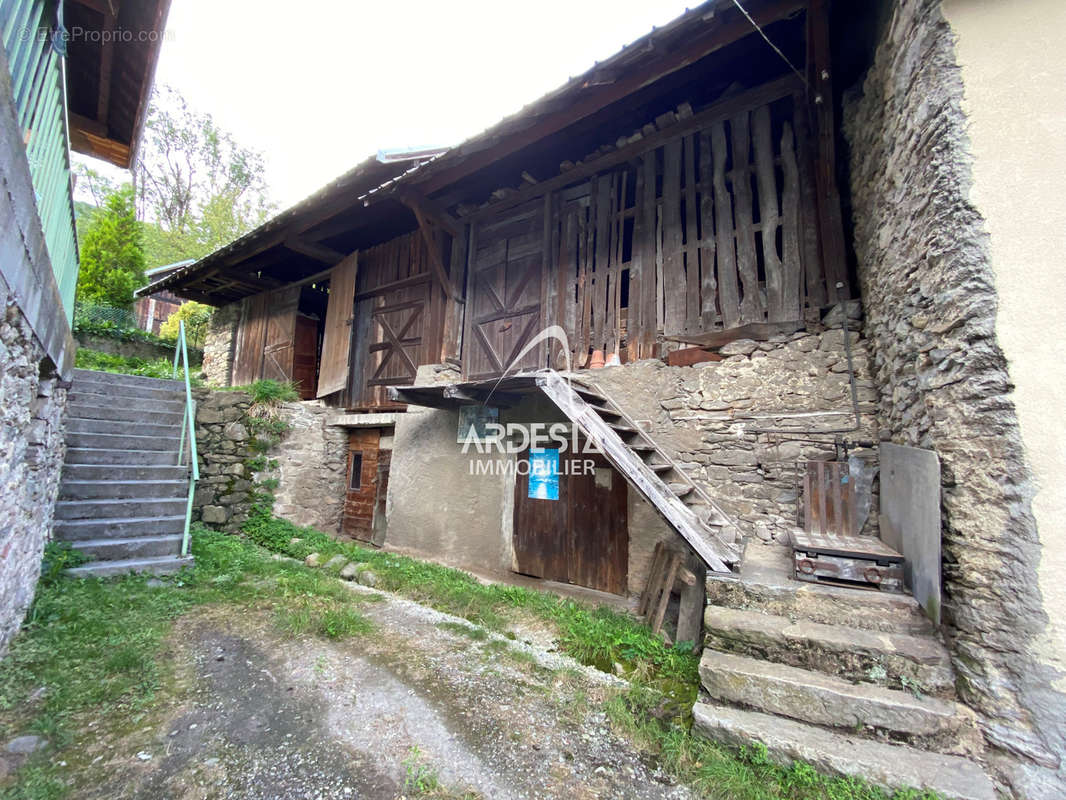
583	536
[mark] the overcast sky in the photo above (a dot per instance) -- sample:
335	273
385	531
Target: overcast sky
319	85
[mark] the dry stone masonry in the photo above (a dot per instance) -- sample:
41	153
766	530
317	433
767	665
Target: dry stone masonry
709	417
308	463
31	459
219	344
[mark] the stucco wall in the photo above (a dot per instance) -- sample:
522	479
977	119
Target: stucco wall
31	460
934	248
435	506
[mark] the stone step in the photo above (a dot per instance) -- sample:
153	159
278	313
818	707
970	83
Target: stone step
160	565
926	722
124	472
169	431
130	441
121	379
129	391
122	489
122	441
895	660
887	766
99	455
120	509
79	398
79	530
126	413
765	584
133	547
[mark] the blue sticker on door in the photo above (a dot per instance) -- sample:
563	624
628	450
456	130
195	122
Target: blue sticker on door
543	473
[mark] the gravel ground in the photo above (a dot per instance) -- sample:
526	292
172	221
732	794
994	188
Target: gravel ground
258	715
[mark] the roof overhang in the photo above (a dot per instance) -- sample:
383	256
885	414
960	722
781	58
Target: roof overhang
112	51
373	203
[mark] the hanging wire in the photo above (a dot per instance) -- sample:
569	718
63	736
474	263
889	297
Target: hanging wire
776	49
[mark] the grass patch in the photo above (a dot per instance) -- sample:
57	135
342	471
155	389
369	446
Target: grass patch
477	634
596	636
92	649
129	365
720	773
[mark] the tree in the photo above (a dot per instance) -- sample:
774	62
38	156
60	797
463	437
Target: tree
195	315
112	257
195	181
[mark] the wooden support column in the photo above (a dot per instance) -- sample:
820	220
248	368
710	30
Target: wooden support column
830	220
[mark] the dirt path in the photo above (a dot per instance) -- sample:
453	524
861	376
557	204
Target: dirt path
258	715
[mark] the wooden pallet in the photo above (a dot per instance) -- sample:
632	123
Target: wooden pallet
669	567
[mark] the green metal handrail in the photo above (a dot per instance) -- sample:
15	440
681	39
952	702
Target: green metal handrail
188	423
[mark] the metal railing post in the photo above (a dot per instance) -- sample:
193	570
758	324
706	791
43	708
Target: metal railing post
188	424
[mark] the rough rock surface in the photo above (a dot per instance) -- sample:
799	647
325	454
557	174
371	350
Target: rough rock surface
311	461
930	300
31	458
706	416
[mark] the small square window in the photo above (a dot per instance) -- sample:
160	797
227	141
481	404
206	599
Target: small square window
355	481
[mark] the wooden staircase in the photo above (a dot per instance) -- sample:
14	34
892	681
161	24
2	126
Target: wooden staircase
686	507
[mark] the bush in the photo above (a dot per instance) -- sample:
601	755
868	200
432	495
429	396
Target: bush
196	317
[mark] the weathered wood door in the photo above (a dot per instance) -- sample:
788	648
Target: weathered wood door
504	298
337	336
278	347
540	535
360	500
398	320
265	337
598	546
305	356
581	538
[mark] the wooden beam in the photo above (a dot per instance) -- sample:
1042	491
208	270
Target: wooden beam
435	261
830	219
420	204
723	109
319	252
597	97
107	58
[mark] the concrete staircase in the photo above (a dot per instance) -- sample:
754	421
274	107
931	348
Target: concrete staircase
122	500
855	682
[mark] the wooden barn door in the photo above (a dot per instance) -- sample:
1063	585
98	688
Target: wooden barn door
305	356
398	317
581	538
504	303
337	336
598	547
265	337
278	345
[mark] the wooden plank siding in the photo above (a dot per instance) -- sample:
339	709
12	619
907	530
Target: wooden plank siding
399	319
711	230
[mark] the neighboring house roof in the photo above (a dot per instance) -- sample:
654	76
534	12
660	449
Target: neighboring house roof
109	77
371	203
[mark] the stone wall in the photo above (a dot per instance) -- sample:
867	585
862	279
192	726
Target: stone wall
239	452
31	458
708	417
928	286
134	348
220	342
312	468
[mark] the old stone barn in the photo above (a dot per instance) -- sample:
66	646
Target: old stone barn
774	277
